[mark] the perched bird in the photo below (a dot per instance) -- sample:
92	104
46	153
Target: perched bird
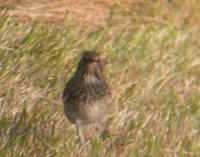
86	95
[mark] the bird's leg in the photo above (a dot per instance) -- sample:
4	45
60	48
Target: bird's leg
98	126
80	134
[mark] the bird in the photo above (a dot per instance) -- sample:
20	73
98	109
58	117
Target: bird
86	96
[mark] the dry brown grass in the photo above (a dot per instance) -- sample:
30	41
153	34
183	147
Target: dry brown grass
88	12
153	66
98	13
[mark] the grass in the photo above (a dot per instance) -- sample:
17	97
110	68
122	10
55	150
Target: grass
153	62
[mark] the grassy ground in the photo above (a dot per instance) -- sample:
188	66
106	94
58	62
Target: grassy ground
153	66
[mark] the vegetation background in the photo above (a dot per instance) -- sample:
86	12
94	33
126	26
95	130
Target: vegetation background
153	64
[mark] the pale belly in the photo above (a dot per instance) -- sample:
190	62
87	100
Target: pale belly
93	112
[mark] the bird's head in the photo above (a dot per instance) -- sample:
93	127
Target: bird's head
90	65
